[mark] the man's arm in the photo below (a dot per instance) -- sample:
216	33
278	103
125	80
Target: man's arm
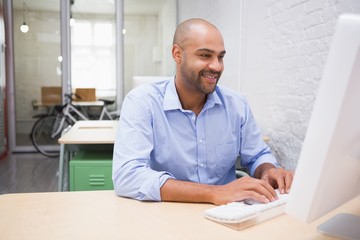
240	189
260	188
132	175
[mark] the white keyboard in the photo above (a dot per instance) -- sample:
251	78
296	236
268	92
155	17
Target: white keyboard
239	215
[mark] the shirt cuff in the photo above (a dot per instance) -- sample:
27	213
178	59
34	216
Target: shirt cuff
268	158
150	190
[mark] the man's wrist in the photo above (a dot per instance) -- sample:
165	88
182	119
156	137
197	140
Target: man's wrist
261	169
182	191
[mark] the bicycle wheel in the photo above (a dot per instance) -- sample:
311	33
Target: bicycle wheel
42	139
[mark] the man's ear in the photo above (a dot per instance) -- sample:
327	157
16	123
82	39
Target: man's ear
177	53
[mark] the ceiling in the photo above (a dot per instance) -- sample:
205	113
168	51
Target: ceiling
95	6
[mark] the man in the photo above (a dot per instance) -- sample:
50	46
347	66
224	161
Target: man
178	140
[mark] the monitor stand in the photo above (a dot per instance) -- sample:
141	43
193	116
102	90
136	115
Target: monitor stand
343	226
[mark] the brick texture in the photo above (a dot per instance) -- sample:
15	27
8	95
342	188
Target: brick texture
296	38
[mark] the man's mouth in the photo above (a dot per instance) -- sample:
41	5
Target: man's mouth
211	77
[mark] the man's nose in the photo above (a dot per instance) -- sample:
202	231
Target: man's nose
216	65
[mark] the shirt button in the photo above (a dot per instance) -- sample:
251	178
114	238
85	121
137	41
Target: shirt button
202	165
200	140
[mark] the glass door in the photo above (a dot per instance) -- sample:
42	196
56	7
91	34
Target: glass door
3	122
51	58
37	72
108	43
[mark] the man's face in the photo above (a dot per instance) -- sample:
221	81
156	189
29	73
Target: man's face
202	62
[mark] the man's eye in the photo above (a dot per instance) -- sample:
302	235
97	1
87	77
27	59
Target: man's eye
221	57
205	55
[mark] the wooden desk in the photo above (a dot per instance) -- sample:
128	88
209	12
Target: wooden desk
103	215
82	134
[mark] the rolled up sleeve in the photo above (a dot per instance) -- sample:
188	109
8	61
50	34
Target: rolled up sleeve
132	175
254	151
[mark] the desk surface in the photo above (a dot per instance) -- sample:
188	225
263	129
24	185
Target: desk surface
103	215
81	104
91	132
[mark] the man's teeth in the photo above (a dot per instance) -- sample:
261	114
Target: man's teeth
209	76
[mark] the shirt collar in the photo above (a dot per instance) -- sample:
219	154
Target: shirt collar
172	102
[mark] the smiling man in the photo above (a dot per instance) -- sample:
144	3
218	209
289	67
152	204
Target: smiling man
178	140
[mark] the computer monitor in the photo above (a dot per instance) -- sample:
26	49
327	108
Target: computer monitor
328	171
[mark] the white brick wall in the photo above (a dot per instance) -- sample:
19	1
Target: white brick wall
285	48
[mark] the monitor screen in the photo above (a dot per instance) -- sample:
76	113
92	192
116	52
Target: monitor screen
328	170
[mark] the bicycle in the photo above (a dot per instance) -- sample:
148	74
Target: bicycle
49	127
105	113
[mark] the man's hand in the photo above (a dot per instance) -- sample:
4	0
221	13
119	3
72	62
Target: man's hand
276	177
279	178
244	188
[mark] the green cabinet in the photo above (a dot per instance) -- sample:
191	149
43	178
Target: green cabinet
91	171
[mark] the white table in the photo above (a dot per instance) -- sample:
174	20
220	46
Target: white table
97	134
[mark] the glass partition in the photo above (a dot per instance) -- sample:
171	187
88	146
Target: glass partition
36	36
93	60
147	27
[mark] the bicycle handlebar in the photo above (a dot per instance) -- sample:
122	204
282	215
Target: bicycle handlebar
69	97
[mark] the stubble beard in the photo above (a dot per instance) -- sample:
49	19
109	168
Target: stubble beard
194	79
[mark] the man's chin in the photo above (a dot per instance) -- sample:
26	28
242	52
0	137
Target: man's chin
209	90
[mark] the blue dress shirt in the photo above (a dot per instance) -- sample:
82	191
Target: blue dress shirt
157	139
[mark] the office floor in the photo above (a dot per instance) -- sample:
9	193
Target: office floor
28	172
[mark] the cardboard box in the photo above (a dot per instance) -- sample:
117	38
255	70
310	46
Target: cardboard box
51	95
85	94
